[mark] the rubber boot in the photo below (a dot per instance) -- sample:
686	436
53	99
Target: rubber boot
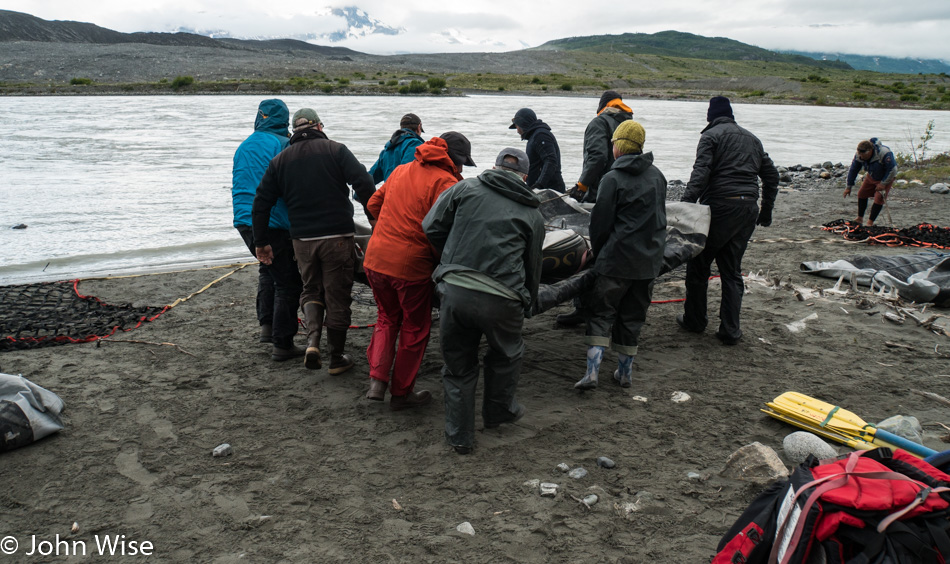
624	373
595	355
339	362
267	333
285	349
313	312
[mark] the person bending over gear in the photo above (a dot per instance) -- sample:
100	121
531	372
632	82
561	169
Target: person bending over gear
489	233
881	167
628	237
399	263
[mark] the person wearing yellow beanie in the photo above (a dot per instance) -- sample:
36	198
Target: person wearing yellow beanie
628	237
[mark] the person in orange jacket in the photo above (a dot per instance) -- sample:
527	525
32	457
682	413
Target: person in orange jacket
399	263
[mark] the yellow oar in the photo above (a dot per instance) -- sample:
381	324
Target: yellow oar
842	421
857	444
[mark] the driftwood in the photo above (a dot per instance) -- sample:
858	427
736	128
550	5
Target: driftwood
933	396
181	350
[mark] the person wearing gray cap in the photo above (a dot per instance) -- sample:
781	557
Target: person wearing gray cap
400	149
489	234
312	176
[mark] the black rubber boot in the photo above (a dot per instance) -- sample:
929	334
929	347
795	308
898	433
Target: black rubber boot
267	333
339	362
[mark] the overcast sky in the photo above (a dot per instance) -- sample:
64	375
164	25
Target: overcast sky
865	27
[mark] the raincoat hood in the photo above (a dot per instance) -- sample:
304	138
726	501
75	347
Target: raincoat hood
399	135
633	164
273	117
509	185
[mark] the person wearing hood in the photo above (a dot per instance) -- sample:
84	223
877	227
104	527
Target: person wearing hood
489	233
399	262
278	283
628	237
881	167
598	156
730	160
400	149
544	155
313	176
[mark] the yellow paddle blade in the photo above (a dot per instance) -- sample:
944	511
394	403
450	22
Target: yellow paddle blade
825	415
839	413
852	442
815	417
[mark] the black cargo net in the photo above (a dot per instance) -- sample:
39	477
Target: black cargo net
55	313
922	235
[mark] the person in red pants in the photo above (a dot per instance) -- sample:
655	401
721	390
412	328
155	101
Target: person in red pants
399	263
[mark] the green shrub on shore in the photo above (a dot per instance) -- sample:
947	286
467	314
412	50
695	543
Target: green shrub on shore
567	87
436	83
78	81
182	81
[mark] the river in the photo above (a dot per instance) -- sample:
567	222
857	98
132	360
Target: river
119	184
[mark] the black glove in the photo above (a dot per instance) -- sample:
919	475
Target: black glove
577	193
765	217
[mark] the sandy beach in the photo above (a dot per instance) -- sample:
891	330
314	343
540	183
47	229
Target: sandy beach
320	474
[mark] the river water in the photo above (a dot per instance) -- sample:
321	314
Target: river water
113	185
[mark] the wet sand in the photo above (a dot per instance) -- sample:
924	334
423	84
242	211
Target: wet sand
318	471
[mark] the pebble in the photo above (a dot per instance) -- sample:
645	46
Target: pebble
605	462
222	450
694	476
548	489
563	467
938	188
639	399
532	483
680	397
466	528
590	499
577	473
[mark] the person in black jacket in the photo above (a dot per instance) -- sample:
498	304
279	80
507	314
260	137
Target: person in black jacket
311	175
729	163
598	155
628	237
543	153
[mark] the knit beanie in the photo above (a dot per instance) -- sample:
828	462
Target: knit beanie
606	97
629	137
719	106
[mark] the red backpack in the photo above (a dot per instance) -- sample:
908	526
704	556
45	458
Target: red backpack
867	507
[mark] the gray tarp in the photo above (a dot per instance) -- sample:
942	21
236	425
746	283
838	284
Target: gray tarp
686	228
921	277
27	412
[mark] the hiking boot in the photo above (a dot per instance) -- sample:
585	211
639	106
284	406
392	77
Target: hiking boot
571	319
681	321
339	362
377	390
410	400
518	414
267	331
459	449
281	355
726	339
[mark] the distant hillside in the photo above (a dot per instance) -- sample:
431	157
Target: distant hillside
17	26
882	64
680	44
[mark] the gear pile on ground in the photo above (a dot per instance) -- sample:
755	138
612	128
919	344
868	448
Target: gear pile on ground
54	313
922	235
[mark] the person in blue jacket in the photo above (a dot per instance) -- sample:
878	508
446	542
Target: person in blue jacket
881	167
278	284
400	149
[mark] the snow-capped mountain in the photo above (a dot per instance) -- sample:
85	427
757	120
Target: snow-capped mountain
358	24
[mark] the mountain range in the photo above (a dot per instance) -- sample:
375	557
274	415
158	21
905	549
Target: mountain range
17	26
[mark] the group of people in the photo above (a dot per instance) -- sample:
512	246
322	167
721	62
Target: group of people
475	244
